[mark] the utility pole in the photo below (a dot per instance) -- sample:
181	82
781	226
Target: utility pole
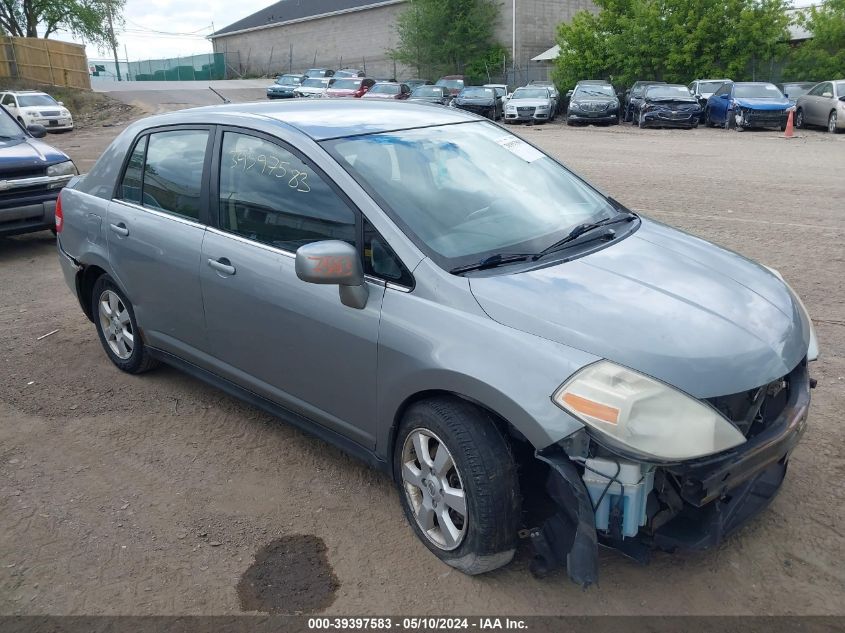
513	45
113	40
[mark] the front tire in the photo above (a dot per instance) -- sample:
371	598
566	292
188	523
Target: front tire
118	329
799	118
458	484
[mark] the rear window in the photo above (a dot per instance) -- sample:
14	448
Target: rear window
165	172
385	89
452	84
347	84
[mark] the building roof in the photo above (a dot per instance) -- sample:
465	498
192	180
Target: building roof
286	11
548	55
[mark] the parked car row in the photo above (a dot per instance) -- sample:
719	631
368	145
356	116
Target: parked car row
713	102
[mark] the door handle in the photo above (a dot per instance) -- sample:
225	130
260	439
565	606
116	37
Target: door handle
222	265
120	229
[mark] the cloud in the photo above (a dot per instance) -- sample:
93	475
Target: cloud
170	28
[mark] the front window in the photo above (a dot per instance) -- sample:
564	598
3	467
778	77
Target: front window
451	84
477	93
466	191
385	89
757	91
530	93
28	101
346	84
840	88
427	91
667	92
709	87
597	90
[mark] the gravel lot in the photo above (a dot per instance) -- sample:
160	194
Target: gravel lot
153	494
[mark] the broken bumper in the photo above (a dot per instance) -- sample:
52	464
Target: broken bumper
698	504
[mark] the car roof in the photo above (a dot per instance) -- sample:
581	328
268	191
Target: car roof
323	119
25	92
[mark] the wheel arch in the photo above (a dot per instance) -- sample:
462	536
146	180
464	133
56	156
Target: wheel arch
508	430
85	280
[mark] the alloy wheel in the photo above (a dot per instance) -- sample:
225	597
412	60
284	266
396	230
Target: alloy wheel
434	489
799	119
116	324
831	123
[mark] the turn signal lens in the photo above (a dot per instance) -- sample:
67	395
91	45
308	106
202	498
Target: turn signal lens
60	218
592	408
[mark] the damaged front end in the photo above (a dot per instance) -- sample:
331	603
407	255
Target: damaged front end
605	495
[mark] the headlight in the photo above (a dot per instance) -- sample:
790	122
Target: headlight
543	107
813	345
66	168
645	414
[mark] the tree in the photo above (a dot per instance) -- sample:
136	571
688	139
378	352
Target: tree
87	19
448	36
823	56
672	40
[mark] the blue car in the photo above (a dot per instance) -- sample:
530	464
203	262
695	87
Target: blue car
747	104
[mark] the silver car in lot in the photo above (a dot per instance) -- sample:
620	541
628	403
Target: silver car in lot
823	105
439	297
530	104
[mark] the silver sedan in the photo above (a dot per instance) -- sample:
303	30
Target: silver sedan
823	105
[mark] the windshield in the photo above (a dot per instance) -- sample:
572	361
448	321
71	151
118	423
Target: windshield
709	87
427	91
347	73
468	190
530	93
667	92
757	91
596	90
315	83
796	90
477	93
8	127
346	84
385	89
452	84
27	101
288	80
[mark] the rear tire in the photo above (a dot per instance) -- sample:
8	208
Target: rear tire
458	484
115	321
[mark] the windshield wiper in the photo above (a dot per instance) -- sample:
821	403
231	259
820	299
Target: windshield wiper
581	229
491	261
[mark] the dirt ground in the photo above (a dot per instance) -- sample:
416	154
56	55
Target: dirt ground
154	494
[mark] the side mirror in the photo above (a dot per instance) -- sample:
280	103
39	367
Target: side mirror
337	263
569	93
829	95
37	131
724	96
61	103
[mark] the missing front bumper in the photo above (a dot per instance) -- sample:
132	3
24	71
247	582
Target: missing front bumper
693	505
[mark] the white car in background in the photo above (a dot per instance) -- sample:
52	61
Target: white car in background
31	107
313	87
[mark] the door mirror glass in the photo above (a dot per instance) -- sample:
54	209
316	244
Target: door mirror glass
333	262
37	131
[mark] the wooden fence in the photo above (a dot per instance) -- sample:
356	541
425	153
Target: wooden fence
47	62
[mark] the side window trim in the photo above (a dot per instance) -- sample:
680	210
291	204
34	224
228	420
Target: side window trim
214	182
205	201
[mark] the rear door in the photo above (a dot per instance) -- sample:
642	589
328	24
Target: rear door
155	229
289	341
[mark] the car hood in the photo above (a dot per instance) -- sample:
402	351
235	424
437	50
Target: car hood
589	100
674	103
763	104
378	95
288	87
665	303
28	152
339	92
528	103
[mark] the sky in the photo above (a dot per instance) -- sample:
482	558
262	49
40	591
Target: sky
169	28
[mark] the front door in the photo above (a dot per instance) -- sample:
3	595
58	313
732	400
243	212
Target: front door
292	342
155	229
